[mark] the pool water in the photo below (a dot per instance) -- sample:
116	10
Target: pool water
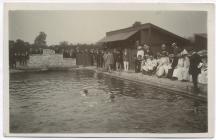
52	102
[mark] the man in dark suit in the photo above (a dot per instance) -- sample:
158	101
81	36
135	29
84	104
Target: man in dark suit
195	69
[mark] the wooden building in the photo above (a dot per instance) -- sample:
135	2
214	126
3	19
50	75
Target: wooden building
200	42
148	33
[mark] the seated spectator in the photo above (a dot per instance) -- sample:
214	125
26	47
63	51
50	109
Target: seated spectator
149	66
181	72
163	63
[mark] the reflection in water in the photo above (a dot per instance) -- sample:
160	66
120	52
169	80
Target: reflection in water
46	102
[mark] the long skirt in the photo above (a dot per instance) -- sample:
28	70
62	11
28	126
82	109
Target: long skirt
162	70
181	73
202	77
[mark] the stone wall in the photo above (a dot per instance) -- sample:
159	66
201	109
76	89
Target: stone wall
49	61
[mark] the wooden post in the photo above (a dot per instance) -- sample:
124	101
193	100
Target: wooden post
149	36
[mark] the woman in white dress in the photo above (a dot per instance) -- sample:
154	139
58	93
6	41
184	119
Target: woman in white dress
203	77
181	72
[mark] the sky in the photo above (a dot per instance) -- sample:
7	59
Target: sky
91	26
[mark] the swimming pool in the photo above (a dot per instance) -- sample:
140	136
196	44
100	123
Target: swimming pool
50	102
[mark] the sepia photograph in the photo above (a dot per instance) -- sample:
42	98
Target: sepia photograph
108	71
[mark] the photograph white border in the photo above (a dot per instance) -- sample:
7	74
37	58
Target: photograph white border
120	7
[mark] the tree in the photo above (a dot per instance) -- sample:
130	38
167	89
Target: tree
40	40
19	45
63	44
11	44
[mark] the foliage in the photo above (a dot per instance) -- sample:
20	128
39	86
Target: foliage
40	40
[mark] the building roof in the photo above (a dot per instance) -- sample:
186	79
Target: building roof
123	34
118	36
204	35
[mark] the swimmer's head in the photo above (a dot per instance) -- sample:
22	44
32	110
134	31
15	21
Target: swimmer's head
85	91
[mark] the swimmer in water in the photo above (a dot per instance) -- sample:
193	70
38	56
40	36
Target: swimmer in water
84	92
111	97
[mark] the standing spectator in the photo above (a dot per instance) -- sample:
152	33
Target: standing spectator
86	58
13	60
26	58
140	55
77	56
115	53
101	62
203	76
91	56
73	53
126	60
110	60
147	50
186	76
174	60
106	64
182	68
10	58
119	60
19	58
195	69
140	52
81	57
97	58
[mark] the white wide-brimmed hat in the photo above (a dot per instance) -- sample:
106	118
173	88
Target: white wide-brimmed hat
139	47
184	52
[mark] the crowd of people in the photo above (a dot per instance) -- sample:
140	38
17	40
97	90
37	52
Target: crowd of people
20	58
175	65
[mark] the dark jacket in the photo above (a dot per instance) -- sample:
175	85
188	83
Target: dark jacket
125	57
119	58
148	52
195	59
175	62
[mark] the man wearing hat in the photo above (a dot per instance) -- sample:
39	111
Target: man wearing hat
194	69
